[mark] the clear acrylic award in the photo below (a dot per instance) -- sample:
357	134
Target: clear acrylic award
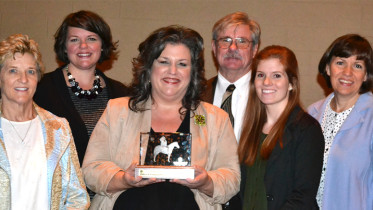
165	156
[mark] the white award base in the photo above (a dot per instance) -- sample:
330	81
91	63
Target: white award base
164	172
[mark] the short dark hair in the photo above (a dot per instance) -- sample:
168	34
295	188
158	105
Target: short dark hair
151	49
346	46
89	21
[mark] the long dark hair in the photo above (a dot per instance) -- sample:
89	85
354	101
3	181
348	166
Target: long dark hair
151	49
255	113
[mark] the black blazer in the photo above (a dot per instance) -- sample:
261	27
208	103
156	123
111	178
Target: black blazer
208	94
293	173
235	202
53	95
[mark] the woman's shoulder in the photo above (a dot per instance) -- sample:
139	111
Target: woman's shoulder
365	101
118	102
47	116
117	89
318	105
212	109
50	77
302	119
304	128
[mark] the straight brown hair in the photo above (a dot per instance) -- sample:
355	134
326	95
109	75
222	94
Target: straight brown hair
255	114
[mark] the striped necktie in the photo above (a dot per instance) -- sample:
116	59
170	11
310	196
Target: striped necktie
226	104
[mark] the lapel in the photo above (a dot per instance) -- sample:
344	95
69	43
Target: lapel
357	114
287	137
317	111
4	162
209	93
5	175
142	124
199	133
56	140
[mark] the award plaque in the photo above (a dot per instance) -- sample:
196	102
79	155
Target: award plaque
165	156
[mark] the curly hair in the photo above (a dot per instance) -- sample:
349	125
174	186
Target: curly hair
151	49
89	21
346	46
19	43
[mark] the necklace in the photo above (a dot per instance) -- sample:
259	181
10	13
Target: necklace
78	91
22	139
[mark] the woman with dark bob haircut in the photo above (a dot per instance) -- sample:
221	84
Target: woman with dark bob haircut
346	117
88	21
168	80
77	90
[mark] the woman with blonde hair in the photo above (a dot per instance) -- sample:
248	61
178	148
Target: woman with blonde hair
39	167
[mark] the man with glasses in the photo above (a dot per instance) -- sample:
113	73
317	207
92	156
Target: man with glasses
236	40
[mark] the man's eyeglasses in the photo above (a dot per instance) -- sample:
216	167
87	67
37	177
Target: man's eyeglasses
241	43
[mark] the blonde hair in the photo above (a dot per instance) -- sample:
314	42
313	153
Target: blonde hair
19	43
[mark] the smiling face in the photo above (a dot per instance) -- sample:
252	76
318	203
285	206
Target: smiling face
233	59
346	76
171	72
83	48
272	83
18	79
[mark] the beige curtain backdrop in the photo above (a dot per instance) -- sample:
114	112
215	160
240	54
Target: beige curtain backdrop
306	26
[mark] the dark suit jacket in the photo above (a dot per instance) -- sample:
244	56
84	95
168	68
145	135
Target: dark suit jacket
208	95
53	95
293	173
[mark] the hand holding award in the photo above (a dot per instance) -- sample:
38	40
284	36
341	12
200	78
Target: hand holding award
185	148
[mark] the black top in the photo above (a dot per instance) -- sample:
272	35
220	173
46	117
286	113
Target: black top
53	95
159	196
90	110
209	92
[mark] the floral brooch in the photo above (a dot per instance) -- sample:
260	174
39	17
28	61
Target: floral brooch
199	120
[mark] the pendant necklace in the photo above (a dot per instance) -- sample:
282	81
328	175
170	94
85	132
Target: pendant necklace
22	139
78	91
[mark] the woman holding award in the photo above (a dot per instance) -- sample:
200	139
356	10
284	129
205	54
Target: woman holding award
168	80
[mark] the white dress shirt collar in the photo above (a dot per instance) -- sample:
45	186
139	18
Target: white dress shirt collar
239	98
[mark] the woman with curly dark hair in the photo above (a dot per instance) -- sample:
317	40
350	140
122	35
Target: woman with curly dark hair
168	80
